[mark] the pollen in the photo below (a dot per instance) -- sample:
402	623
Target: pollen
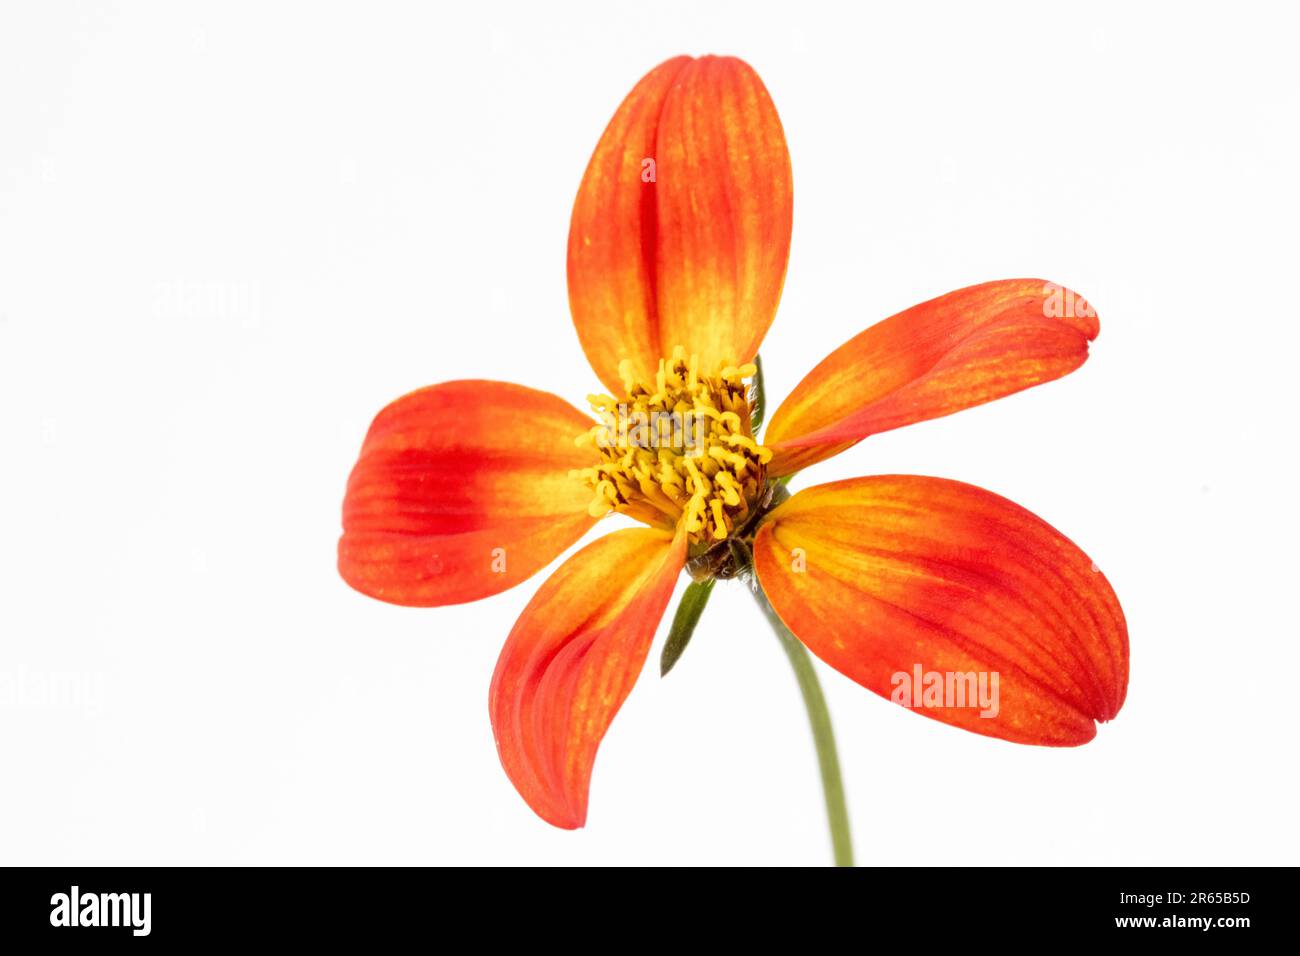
677	450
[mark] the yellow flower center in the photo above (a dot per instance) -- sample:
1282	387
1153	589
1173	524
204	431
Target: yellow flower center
678	449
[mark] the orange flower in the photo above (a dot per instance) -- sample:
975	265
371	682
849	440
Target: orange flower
677	254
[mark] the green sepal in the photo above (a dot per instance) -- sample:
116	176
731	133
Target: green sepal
694	598
760	399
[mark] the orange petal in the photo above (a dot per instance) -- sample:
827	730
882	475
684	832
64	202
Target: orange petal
881	576
725	205
571	660
461	491
961	349
681	230
612	233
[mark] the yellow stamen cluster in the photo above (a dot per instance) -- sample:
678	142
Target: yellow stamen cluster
678	449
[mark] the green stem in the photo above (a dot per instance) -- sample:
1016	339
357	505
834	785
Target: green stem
819	717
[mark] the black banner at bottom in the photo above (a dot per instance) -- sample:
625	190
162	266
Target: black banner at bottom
976	906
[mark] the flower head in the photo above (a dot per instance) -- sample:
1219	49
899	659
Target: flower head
678	451
677	254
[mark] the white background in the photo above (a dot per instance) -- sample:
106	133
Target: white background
228	237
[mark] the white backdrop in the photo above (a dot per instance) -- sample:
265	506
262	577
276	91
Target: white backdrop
228	237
